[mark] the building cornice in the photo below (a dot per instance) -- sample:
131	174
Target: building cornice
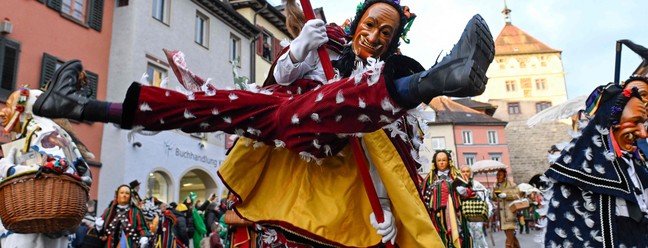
266	10
230	16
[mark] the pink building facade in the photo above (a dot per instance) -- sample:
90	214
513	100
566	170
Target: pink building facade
37	36
475	143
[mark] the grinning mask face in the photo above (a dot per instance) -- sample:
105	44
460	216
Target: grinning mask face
375	31
632	125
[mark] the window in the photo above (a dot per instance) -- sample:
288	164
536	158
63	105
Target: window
202	29
541	84
266	46
235	50
438	143
9	54
51	63
511	85
495	156
492	137
542	106
158	186
522	62
469	158
74	8
467	137
84	12
155	74
501	63
514	108
543	61
161	10
122	3
525	84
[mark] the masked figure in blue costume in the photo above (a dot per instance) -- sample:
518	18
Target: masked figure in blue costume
598	197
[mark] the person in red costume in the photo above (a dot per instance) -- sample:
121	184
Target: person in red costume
364	104
314	124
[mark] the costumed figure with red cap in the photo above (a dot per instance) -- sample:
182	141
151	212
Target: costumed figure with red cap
40	147
312	129
122	224
444	203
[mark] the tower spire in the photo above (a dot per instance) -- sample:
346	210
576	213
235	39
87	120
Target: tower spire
507	14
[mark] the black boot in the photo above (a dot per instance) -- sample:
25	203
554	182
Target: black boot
462	72
62	98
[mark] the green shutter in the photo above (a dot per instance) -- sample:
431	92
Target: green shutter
9	55
96	14
93	82
47	69
54	4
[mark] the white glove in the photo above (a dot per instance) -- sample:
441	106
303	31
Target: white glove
312	36
143	242
387	229
99	223
8	162
502	195
462	190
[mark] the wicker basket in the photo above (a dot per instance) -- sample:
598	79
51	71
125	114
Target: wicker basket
50	203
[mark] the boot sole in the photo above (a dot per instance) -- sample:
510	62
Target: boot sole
483	52
36	109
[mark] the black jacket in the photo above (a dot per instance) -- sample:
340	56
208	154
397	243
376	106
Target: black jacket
180	229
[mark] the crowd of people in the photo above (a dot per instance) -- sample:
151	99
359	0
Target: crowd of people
446	191
153	223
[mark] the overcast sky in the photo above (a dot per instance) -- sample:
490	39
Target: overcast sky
586	31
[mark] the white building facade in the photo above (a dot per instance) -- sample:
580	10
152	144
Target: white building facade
213	38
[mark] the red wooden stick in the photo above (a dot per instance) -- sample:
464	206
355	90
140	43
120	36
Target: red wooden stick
355	143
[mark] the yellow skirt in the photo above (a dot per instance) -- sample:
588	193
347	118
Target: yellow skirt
326	202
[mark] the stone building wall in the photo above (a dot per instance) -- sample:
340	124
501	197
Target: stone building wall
528	146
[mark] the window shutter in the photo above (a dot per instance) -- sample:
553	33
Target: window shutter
259	42
47	69
54	4
93	82
41	1
276	48
9	55
96	14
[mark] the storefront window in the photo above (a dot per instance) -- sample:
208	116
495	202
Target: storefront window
158	186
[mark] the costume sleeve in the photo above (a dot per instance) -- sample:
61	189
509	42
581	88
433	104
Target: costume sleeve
142	227
286	72
204	205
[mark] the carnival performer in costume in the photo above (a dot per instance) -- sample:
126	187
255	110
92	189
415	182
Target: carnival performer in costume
476	228
443	201
122	223
166	231
308	125
51	147
598	197
506	192
135	187
287	119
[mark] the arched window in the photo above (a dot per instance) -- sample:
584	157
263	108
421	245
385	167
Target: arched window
159	186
